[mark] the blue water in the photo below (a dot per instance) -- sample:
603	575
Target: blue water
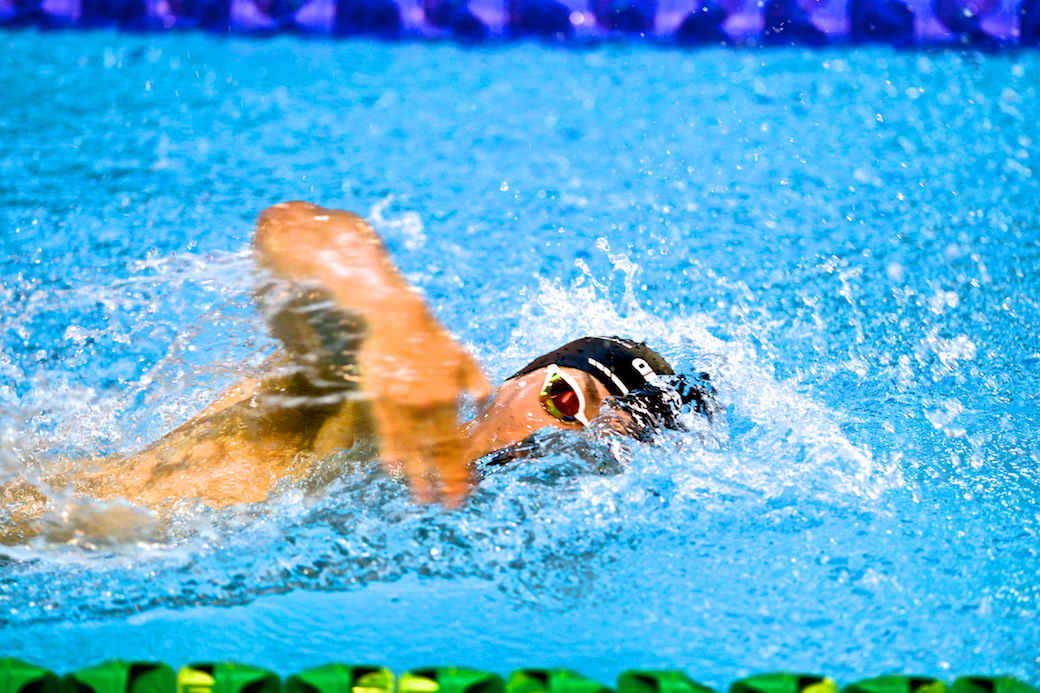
847	240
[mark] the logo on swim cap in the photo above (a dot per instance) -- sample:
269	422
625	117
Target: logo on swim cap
643	368
620	364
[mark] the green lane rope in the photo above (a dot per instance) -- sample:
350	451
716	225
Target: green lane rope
658	681
17	676
341	678
898	684
555	680
130	677
784	682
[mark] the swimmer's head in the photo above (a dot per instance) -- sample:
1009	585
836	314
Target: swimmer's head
568	387
621	365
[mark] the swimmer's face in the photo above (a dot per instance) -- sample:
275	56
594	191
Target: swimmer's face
516	411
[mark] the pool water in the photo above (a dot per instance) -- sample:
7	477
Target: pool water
848	240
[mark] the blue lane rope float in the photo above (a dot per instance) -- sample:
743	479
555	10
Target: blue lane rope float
784	22
117	676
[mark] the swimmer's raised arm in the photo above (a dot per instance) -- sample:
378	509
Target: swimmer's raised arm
411	367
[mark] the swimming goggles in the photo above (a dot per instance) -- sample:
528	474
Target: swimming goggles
562	396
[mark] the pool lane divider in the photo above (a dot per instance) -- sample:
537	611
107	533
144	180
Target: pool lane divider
118	676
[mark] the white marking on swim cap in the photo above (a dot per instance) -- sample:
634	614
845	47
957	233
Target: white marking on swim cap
643	368
321	217
610	374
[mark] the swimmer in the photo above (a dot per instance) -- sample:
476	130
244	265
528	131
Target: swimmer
365	359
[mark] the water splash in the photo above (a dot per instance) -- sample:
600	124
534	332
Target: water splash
849	282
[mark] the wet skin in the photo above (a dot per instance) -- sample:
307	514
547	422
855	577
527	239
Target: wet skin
516	412
411	372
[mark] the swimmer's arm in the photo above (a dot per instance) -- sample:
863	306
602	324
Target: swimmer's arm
242	390
412	368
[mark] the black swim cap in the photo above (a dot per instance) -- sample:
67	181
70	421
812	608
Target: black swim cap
620	364
629	371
